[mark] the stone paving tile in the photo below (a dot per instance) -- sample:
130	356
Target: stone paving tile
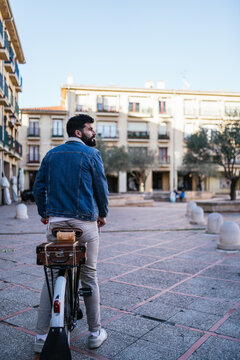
107	271
195	319
211	288
123	296
210	307
135	260
26	319
152	278
158	251
158	310
179	300
145	350
230	328
16	277
173	337
224	272
25	296
217	349
9	307
179	265
132	325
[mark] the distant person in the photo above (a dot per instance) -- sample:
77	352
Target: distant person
182	195
71	191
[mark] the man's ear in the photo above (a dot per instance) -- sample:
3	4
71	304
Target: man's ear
78	133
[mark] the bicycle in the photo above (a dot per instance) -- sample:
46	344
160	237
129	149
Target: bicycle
62	260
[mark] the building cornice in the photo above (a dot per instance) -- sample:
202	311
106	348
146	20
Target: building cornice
149	91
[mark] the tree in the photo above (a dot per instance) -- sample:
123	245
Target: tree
140	166
226	148
197	160
222	148
115	159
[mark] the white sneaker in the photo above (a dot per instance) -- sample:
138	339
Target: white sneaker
38	345
95	341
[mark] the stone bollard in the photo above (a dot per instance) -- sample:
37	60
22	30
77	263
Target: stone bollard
190	206
229	236
197	216
21	212
215	220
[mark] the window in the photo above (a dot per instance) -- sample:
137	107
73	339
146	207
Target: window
81	103
34	154
57	129
107	129
209	108
107	104
163	155
232	109
188	130
139	105
33	129
162	107
189	108
210	129
137	151
138	130
162	131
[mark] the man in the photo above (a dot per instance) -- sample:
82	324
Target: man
71	190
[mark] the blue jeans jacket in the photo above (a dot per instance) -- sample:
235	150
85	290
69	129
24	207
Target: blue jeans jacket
71	183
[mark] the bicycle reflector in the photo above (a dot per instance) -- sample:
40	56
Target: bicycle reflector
56	306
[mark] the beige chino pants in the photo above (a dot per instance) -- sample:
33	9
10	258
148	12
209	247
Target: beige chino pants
88	277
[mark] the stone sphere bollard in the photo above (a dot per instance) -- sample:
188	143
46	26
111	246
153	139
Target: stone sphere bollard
229	236
21	212
190	206
215	220
197	215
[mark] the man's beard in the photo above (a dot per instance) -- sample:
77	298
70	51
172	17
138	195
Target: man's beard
88	141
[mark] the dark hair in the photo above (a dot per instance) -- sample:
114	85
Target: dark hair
77	123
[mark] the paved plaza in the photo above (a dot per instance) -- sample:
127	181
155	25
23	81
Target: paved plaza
166	292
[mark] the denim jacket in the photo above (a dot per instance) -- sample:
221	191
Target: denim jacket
71	183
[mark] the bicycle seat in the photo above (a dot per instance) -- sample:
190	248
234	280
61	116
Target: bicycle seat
78	232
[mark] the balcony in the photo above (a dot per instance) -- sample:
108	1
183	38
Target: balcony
105	110
164	160
4	50
4	100
139	113
18	148
163	137
15	76
138	135
81	108
6	139
10	64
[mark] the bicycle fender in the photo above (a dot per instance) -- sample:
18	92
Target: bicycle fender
56	345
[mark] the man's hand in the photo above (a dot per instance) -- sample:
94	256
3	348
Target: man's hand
45	220
101	221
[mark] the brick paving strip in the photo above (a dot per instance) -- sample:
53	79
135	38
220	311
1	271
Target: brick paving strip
138	260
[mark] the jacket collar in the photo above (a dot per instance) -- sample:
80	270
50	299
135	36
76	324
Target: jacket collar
73	138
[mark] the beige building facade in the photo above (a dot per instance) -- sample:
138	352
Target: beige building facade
11	55
138	119
157	119
42	129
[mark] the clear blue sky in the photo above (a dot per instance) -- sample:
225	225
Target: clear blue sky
126	42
